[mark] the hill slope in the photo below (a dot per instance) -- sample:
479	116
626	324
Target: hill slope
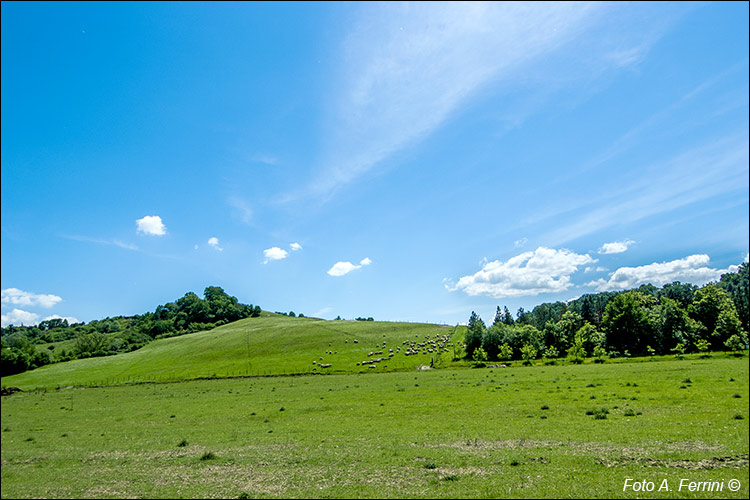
272	345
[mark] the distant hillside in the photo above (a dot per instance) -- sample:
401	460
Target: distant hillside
28	347
268	345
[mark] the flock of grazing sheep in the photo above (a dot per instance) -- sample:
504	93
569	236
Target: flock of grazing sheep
436	344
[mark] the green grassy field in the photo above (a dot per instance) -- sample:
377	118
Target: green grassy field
512	432
273	345
158	429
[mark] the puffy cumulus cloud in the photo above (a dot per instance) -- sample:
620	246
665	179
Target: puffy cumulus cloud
545	270
274	253
151	224
615	247
691	269
19	297
342	268
70	319
19	317
214	242
295	247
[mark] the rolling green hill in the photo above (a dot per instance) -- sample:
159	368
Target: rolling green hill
270	345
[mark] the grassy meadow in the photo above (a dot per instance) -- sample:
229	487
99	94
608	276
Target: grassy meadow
270	345
539	431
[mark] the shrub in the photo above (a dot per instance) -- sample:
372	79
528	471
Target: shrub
600	414
576	353
479	355
528	353
207	456
506	352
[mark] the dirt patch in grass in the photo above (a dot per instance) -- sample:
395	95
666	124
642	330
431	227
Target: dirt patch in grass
731	462
475	445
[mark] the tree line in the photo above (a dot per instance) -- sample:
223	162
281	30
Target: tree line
676	318
188	314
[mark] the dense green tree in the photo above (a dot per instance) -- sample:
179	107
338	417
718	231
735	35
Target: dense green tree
671	325
588	337
680	292
498	317
474	334
727	325
626	322
710	301
491	341
737	285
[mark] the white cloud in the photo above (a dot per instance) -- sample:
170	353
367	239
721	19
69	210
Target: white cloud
597	269
214	242
706	171
70	319
19	297
296	246
544	270
242	209
274	253
342	268
117	243
407	68
322	312
691	269
151	224
521	242
615	247
19	317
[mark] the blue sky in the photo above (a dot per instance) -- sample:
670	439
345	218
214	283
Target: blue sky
410	162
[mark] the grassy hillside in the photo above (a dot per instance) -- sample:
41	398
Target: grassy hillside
271	345
486	433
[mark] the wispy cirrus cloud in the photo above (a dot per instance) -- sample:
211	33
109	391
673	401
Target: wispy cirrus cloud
406	68
100	241
242	209
714	168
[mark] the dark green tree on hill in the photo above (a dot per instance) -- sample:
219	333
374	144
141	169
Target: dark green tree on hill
474	332
626	322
